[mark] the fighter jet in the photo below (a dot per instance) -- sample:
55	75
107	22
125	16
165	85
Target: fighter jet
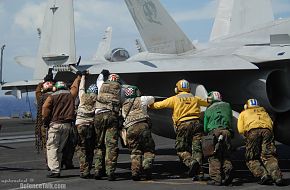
246	57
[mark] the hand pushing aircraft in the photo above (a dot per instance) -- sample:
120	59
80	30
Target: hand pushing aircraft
247	57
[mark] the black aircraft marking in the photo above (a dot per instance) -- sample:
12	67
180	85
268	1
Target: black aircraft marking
53	9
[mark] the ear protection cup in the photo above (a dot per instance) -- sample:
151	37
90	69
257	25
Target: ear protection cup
175	90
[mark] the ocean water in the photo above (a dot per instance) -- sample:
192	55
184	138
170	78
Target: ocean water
12	107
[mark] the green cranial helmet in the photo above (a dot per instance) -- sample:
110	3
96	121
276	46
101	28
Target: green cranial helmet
214	96
60	85
131	92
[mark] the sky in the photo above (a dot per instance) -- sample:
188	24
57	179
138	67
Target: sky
19	20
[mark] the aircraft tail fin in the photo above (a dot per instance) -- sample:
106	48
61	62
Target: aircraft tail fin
236	16
104	45
139	46
159	31
57	37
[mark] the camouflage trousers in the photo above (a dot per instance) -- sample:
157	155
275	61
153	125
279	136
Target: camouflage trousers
106	149
261	157
140	144
220	165
70	147
188	142
85	147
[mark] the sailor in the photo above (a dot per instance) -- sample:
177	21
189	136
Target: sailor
58	114
137	125
186	114
257	127
42	91
85	126
218	123
106	124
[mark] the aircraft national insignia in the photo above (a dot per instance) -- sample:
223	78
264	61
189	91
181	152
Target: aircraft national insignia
150	12
53	9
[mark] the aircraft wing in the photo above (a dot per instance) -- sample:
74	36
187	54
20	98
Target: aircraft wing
214	63
25	85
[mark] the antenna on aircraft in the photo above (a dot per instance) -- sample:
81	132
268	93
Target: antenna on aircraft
39	32
1	62
139	46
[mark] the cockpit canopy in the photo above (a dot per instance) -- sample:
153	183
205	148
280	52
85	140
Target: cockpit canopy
117	54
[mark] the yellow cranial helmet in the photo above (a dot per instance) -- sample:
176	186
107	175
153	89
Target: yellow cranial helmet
182	86
251	103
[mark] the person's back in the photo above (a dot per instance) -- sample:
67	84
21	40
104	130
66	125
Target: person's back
185	106
87	100
219	114
109	96
255	117
63	106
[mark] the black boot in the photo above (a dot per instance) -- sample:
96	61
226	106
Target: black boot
148	174
280	182
213	182
136	177
53	175
85	176
228	180
111	177
193	170
98	176
265	180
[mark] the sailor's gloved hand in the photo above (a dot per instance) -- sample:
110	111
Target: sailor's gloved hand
85	72
105	73
79	73
48	77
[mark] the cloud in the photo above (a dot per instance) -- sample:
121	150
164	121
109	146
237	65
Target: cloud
30	16
90	14
205	12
